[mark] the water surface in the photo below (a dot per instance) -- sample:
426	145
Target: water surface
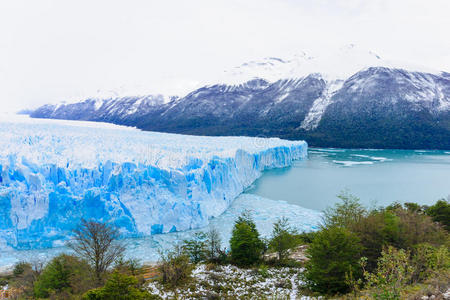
378	177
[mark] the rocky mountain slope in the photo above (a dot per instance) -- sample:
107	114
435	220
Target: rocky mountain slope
343	104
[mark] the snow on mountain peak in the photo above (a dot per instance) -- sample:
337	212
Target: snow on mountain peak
332	65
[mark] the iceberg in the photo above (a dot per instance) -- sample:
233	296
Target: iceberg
53	173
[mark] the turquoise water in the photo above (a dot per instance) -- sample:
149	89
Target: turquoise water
377	177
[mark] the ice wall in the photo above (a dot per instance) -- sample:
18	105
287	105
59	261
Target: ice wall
264	212
53	173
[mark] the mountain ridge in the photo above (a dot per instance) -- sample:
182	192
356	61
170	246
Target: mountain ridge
377	106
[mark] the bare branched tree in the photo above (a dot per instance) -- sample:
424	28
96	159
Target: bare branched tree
26	274
99	244
213	244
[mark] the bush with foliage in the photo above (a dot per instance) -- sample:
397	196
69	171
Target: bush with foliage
63	275
205	247
400	271
127	266
413	207
195	247
395	225
440	212
394	270
175	267
25	274
119	287
429	261
246	246
20	268
377	229
334	253
305	237
283	238
344	214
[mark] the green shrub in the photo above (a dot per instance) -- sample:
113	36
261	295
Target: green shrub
129	266
344	214
417	228
395	225
393	272
440	212
306	237
63	274
175	267
246	246
195	248
413	207
263	271
398	271
427	261
119	287
334	253
20	268
25	274
283	238
377	229
380	232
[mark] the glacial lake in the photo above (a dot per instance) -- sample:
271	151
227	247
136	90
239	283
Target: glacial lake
377	177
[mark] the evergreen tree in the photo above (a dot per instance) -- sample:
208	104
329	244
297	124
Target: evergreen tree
283	238
334	254
246	246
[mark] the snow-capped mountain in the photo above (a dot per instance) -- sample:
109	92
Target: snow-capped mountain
350	98
120	110
339	64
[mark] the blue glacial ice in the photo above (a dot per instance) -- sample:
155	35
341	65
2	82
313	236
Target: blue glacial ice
264	211
53	173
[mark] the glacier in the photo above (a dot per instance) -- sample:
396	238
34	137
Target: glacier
146	250
53	173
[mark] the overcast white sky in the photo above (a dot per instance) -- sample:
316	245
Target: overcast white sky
60	50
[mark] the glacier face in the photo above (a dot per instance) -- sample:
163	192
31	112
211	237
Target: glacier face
53	173
264	212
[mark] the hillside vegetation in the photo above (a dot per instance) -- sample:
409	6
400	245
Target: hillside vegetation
394	252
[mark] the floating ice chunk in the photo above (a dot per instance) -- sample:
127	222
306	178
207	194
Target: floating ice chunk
349	163
377	158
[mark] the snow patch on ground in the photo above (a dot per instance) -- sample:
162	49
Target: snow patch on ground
235	283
